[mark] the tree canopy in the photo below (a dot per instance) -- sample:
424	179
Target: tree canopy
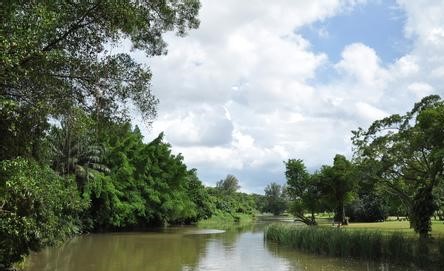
275	199
228	185
406	154
337	185
65	93
56	53
303	191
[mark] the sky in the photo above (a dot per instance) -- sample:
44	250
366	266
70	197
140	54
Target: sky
263	81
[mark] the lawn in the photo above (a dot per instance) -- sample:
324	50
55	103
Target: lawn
401	226
388	226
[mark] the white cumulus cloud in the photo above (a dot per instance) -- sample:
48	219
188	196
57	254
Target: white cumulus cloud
241	95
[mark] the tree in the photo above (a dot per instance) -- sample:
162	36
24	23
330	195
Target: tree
200	197
275	199
229	185
370	203
22	130
337	185
54	55
303	191
75	149
407	152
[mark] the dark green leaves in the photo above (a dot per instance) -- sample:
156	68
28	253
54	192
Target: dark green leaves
52	53
35	211
407	154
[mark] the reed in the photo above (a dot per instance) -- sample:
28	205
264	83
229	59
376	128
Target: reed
361	244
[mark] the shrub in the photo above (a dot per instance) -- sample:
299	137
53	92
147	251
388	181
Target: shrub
34	210
368	208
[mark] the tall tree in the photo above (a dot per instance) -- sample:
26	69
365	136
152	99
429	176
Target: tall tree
407	152
303	190
275	199
229	185
337	184
75	149
55	55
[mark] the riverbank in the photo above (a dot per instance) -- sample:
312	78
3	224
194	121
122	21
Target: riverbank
223	220
373	245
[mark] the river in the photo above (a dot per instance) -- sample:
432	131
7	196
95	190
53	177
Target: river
186	248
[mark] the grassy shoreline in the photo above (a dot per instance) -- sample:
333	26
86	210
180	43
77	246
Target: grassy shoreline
374	245
223	221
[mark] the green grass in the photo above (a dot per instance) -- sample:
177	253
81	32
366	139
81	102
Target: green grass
223	221
393	226
390	225
365	244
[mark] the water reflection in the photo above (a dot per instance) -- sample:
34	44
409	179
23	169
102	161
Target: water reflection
184	248
303	261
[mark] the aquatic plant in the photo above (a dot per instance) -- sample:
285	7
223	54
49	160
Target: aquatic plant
361	244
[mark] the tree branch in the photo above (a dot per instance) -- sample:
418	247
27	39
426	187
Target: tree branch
74	27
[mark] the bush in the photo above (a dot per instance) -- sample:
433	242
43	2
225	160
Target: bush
368	208
34	209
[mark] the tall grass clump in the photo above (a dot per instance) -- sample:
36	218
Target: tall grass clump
361	244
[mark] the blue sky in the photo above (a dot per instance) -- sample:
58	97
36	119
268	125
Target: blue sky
378	24
291	79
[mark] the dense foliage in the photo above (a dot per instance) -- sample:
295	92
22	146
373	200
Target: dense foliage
69	159
303	190
229	207
338	186
54	53
34	208
275	199
228	200
147	184
405	155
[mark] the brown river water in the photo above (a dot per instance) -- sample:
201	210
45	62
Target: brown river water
184	249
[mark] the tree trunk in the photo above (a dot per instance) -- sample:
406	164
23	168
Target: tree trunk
340	214
423	208
343	218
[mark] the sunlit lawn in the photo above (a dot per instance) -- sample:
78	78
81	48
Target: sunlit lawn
403	226
389	226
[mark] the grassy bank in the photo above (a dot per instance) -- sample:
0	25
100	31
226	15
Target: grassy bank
222	220
388	226
398	226
361	244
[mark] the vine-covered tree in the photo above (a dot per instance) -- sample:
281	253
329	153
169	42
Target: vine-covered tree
407	153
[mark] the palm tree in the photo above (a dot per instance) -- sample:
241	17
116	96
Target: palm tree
229	185
73	153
